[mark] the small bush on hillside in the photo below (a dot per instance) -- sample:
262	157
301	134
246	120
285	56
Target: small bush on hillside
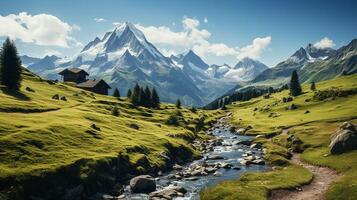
95	127
333	93
115	111
193	109
29	89
134	126
178	103
200	124
172	120
63	98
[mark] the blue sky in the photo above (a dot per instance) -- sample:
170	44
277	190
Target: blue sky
219	31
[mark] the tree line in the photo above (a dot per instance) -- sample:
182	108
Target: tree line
294	87
142	96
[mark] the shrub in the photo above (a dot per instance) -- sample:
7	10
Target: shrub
172	120
115	111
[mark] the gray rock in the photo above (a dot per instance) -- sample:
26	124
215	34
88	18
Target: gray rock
344	140
193	178
177	167
259	162
215	157
142	184
245	142
292	107
256	146
169	192
217	173
56	97
74	193
241	131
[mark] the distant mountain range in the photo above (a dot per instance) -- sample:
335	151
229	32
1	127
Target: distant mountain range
311	63
124	57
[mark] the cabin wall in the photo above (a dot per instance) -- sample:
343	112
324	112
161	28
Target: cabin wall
77	78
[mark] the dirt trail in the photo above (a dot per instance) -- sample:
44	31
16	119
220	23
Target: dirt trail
323	177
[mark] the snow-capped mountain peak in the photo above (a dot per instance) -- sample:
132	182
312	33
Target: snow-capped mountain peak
245	70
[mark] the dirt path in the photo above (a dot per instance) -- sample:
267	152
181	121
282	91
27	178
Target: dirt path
323	177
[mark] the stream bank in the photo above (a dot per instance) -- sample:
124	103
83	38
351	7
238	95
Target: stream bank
225	157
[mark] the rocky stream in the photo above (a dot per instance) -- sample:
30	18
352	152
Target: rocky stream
225	157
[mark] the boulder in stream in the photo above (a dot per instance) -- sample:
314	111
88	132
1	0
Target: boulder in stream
214	157
143	184
169	192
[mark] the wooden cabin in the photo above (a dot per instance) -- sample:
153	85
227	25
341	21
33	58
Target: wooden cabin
75	75
96	86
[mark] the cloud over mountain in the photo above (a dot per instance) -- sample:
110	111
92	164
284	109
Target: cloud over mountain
35	29
324	43
192	36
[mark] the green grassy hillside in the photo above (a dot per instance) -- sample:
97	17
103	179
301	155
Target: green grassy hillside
314	120
41	137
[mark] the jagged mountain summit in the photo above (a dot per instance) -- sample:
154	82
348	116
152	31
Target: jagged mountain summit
246	70
124	57
343	61
296	61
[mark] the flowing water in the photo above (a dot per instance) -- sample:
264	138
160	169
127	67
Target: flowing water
229	150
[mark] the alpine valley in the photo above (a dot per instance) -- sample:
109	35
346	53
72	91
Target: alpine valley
124	57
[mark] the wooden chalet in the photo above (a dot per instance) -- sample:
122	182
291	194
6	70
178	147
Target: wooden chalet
78	76
75	75
97	86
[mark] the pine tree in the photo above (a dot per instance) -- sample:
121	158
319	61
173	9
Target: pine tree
10	66
178	104
116	93
128	94
148	100
142	97
295	88
135	96
313	86
155	100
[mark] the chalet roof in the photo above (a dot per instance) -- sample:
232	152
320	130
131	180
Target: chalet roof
73	70
92	83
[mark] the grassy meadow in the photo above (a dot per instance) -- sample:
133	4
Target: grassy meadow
41	136
312	122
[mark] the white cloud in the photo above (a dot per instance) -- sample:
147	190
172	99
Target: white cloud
197	39
324	43
41	29
255	49
205	20
190	23
100	19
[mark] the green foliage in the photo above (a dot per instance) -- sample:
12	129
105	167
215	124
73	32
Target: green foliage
45	139
295	88
129	93
178	103
145	97
333	93
314	130
135	97
172	120
313	86
115	111
10	66
116	93
155	99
